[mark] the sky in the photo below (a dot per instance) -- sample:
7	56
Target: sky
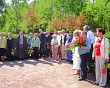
9	1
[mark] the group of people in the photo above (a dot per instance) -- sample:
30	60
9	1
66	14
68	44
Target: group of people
56	46
94	47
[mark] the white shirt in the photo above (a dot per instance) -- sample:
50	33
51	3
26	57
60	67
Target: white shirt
59	39
54	41
62	36
91	36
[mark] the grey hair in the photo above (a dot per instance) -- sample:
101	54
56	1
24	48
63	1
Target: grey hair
86	26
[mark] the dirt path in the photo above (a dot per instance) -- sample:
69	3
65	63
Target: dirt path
40	74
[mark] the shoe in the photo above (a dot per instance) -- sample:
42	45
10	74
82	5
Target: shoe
96	83
101	85
75	73
81	79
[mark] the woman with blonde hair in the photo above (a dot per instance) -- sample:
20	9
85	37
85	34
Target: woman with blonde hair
3	43
35	44
76	57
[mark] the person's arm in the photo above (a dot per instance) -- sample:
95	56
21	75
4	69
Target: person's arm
32	43
88	45
106	48
28	40
5	43
39	43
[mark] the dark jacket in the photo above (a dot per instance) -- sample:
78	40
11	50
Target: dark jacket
24	42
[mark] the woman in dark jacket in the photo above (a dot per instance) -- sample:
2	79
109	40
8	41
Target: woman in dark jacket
10	46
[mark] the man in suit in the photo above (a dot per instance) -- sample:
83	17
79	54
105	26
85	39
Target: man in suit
63	41
48	45
42	45
21	45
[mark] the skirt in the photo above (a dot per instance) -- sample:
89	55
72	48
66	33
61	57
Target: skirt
2	51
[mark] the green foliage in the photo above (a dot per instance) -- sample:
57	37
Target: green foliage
13	18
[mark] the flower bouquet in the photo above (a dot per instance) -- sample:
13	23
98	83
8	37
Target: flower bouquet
14	52
30	52
76	43
104	70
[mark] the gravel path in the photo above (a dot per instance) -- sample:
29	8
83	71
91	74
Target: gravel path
41	74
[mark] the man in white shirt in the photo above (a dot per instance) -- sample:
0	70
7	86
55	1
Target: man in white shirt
91	36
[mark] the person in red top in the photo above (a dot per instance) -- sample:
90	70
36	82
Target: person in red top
101	55
97	46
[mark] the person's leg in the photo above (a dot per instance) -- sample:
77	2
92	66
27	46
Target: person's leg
103	77
53	52
20	52
56	51
2	54
63	51
37	53
90	61
97	69
83	66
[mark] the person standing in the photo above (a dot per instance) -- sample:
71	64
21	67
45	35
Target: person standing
10	46
54	44
42	45
63	41
21	45
76	57
48	45
3	44
101	56
83	52
59	44
35	44
91	36
67	45
29	39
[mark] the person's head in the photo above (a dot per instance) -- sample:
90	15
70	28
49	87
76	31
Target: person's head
76	34
44	33
2	34
63	32
54	36
100	32
31	34
70	32
59	32
9	35
68	36
21	33
86	28
84	34
35	35
40	30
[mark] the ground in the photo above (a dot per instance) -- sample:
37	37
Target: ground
41	74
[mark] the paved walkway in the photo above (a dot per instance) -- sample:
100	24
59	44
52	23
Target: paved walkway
40	74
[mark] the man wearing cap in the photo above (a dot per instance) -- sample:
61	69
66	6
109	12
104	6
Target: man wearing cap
83	52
